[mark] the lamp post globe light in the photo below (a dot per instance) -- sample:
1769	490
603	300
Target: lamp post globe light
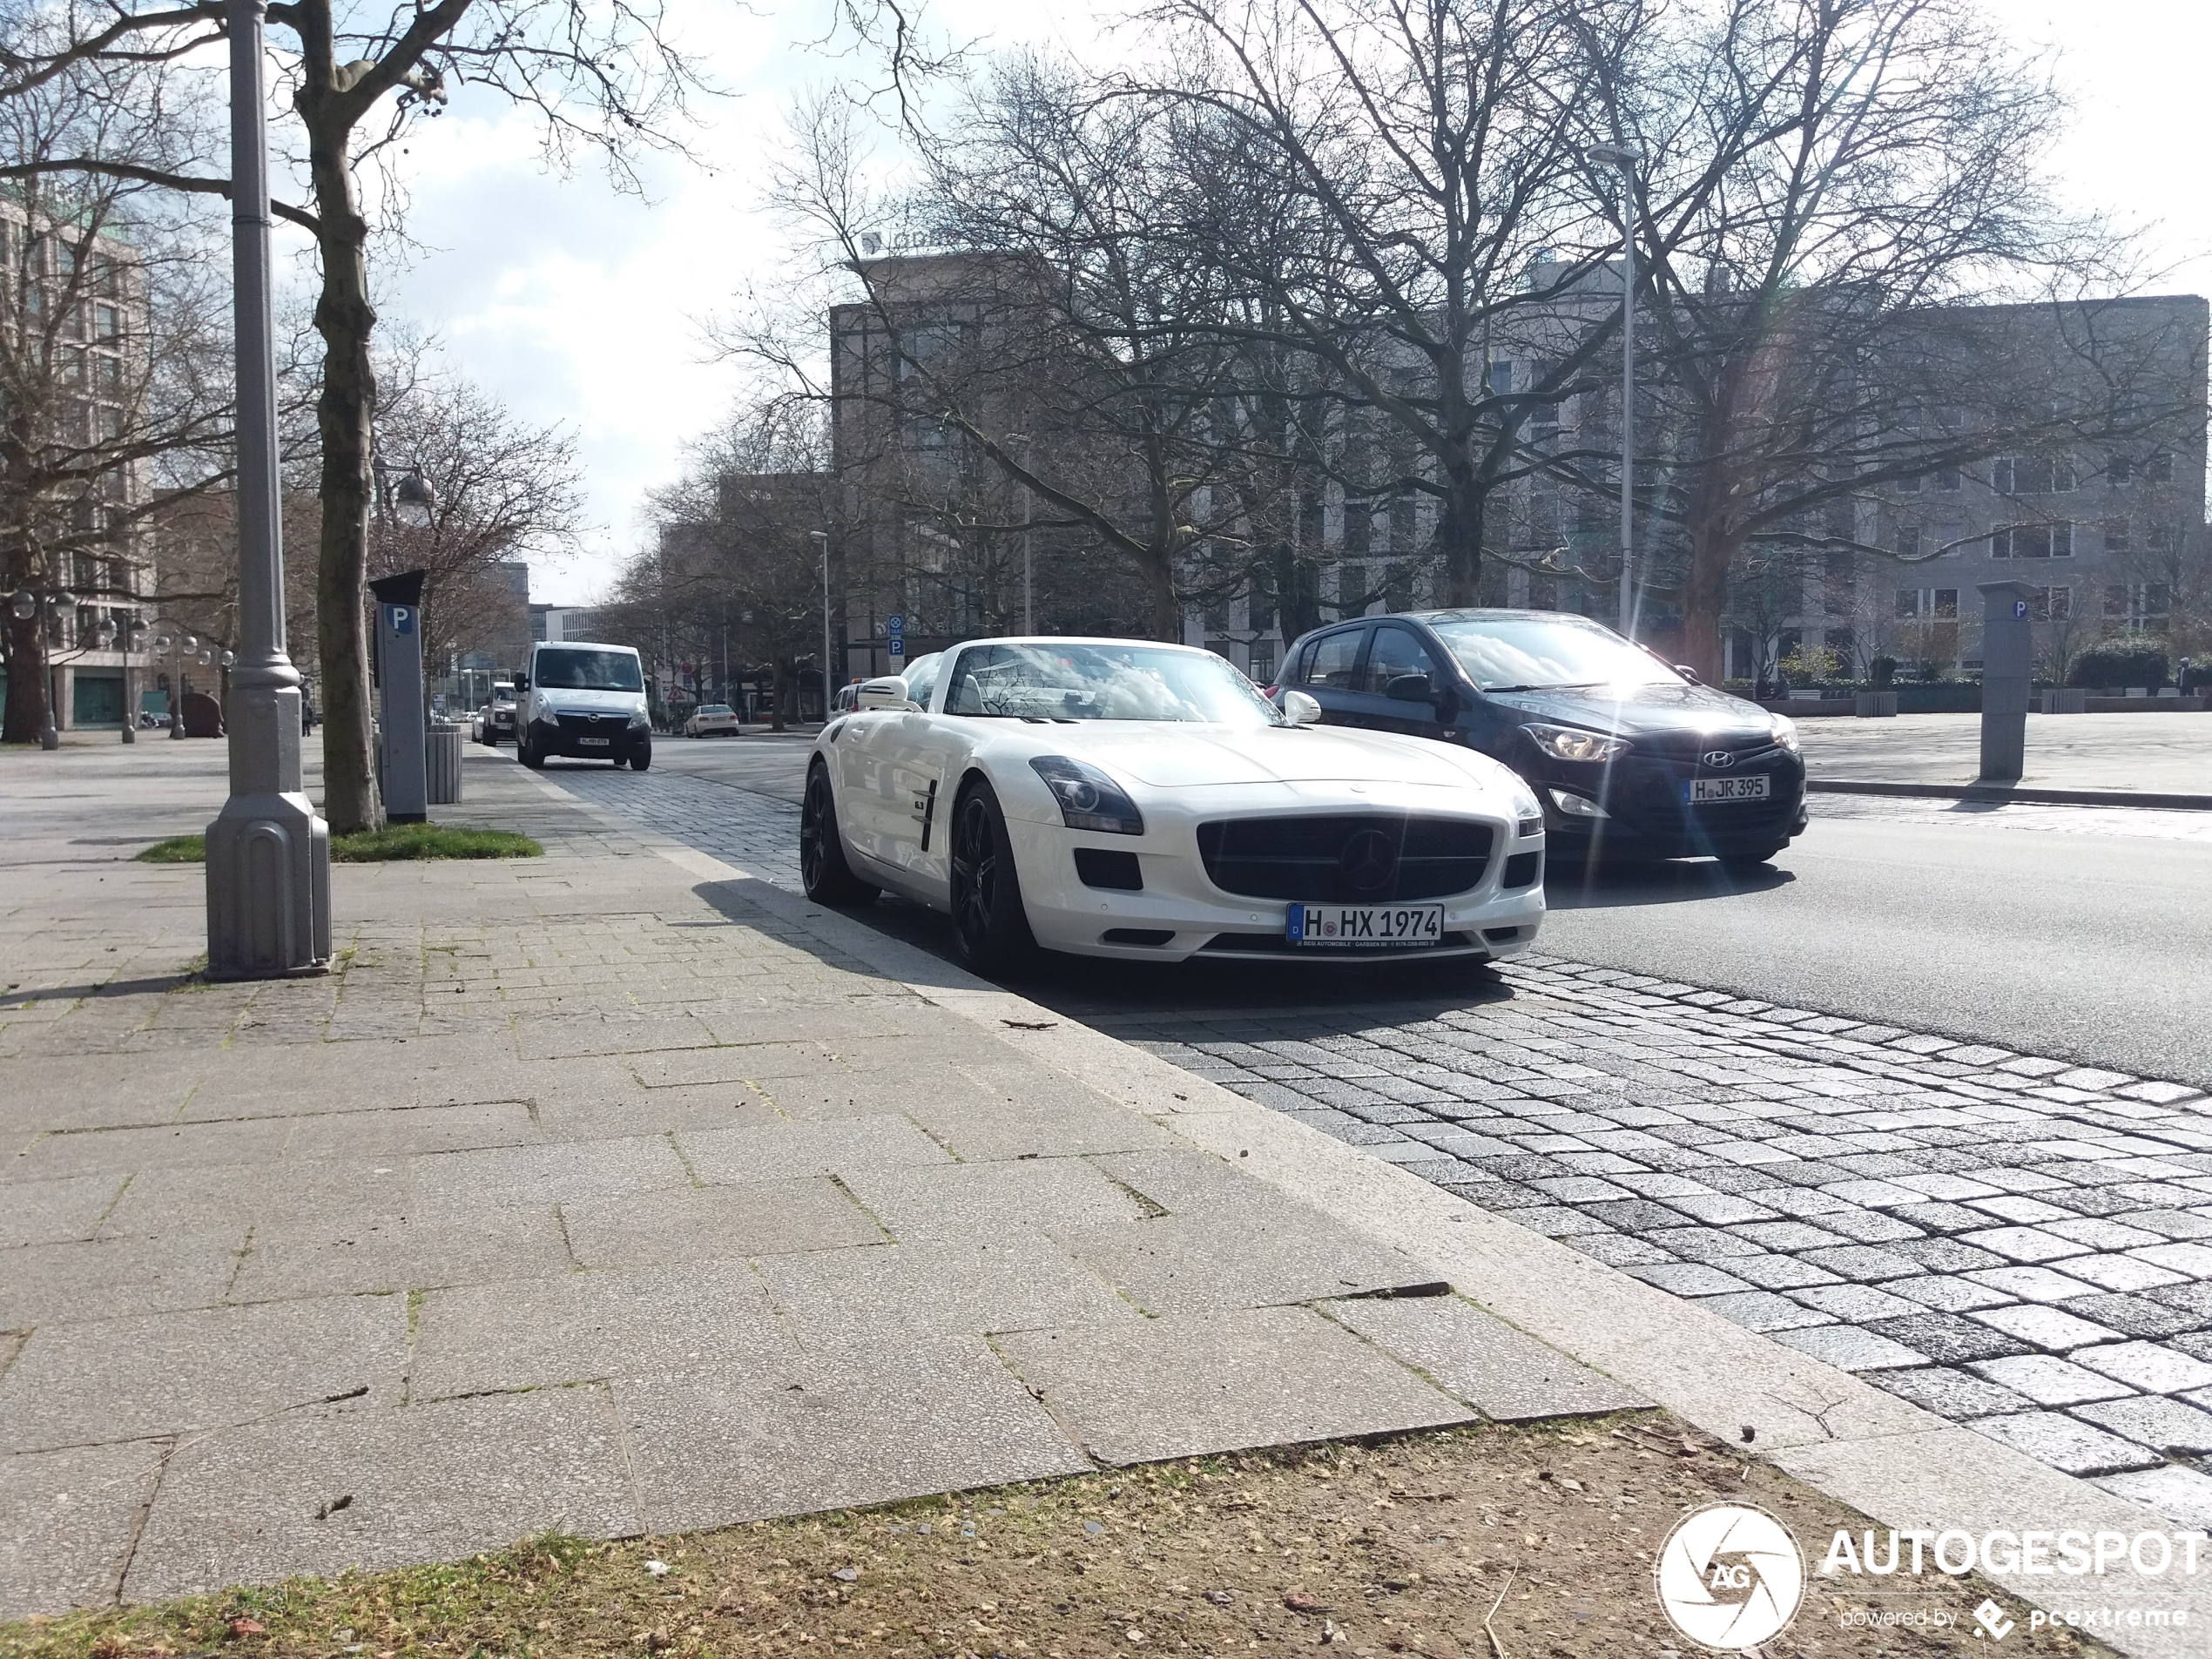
1623	160
269	851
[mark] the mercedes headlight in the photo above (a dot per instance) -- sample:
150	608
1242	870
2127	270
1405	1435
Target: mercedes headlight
1527	812
1089	799
1566	743
1785	732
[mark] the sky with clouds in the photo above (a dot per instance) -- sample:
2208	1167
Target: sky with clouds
582	307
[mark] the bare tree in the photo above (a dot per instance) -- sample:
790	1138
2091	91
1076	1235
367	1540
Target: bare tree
1438	148
604	77
1827	193
113	390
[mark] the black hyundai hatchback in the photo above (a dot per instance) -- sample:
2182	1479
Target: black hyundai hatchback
1631	759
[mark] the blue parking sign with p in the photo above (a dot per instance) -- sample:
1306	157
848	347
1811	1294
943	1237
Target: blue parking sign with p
402	618
898	646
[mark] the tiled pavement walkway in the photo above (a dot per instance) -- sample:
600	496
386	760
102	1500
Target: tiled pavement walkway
2004	1239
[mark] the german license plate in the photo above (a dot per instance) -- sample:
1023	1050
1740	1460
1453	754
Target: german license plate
1374	927
1699	791
595	743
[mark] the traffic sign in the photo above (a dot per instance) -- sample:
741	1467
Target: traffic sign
895	627
898	646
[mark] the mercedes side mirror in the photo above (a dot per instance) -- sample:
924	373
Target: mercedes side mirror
887	691
1408	688
1688	674
1300	710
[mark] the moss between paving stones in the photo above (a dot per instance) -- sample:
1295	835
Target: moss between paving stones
1404	1545
377	846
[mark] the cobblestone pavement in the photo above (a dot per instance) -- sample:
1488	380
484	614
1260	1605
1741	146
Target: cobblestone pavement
2010	1241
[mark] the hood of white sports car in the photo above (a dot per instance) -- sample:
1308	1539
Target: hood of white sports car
1175	755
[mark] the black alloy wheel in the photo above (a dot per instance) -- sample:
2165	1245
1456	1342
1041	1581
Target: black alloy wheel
990	927
822	869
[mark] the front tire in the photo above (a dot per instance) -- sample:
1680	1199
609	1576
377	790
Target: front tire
822	868
641	757
990	927
527	752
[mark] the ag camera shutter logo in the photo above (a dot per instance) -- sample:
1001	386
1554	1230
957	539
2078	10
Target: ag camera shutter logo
1729	1576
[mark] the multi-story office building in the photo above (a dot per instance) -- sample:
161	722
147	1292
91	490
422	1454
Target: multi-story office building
72	523
2101	510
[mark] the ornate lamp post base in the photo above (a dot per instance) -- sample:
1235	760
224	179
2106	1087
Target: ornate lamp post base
268	852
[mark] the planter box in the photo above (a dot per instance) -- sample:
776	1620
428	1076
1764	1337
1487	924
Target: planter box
1942	698
1875	705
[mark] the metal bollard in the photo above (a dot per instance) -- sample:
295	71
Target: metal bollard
442	762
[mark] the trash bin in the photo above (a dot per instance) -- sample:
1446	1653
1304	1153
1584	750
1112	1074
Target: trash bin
442	771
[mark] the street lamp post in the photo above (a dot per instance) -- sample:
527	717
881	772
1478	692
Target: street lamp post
822	536
1028	512
269	851
1623	160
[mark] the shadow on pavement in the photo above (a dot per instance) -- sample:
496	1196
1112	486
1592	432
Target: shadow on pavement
1569	886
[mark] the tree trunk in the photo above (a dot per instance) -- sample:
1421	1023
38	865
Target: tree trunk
1714	545
28	678
345	320
1459	537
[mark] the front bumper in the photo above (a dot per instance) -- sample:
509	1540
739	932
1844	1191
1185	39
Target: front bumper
1647	816
1180	914
573	737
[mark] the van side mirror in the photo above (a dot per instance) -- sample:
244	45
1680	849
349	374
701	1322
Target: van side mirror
521	684
886	692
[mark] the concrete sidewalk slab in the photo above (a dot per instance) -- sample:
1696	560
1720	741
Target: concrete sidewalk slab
584	1192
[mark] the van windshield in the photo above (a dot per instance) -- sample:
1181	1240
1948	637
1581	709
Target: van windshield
569	669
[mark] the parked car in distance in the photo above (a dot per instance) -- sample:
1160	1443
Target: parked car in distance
711	720
494	723
847	699
1631	758
1127	799
586	701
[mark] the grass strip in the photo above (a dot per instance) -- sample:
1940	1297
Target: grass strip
1536	1540
378	846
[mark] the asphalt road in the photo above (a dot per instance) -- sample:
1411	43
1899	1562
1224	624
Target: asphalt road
2075	931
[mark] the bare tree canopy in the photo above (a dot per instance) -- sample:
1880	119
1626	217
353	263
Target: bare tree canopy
604	79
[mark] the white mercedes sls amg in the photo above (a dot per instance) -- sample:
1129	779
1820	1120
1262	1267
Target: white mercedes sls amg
1121	799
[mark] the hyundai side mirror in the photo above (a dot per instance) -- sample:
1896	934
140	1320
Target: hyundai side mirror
886	692
1300	710
1408	688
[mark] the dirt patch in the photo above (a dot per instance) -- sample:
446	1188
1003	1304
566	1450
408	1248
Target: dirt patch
1493	1543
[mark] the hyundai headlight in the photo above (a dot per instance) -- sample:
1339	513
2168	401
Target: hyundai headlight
1785	732
1089	799
1567	742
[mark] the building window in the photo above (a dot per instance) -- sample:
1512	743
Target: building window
1402	525
2158	538
1948	478
1936	605
2115	536
1359	529
2161	469
1309	522
1908	540
2032	541
1398	595
2050	604
2138	603
2119	471
1262	660
1351	590
2031	474
1908	485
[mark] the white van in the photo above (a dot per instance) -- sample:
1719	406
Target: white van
583	700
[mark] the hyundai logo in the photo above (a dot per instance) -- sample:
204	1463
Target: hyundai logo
1368	860
1718	759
